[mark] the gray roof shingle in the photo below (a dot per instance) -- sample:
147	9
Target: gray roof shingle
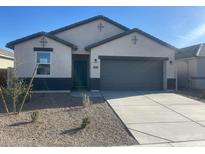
197	50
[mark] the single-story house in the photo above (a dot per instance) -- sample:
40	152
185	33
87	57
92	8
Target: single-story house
6	59
190	67
98	54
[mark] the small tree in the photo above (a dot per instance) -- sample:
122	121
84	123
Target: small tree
4	101
28	88
14	92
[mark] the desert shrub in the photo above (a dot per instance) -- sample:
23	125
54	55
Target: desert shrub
86	101
34	116
14	92
86	107
85	122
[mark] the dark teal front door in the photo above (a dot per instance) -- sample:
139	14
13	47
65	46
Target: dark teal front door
80	74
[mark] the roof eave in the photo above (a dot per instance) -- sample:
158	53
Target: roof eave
12	44
6	57
74	47
9	46
190	57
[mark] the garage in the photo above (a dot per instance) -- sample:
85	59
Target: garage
131	74
119	63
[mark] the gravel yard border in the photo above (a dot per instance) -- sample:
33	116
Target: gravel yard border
59	121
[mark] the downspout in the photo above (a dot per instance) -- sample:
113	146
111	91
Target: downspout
176	76
188	74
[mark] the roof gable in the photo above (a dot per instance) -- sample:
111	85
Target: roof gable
21	40
88	21
127	33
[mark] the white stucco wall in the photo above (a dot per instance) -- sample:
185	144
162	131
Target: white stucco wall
25	59
198	84
144	47
200	74
88	34
200	66
191	69
182	73
5	63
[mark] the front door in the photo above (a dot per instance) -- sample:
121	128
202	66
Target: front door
80	74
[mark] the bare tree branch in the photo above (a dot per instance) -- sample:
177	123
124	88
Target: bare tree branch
4	101
29	86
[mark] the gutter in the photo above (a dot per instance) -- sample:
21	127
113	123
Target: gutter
6	57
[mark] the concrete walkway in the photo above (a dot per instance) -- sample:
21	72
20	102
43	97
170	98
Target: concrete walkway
160	119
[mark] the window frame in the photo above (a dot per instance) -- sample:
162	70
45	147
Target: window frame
36	58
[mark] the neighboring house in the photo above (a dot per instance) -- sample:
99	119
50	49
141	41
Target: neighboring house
6	59
191	67
97	54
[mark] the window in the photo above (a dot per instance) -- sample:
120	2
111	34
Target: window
44	61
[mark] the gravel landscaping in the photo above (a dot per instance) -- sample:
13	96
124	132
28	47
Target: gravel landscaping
59	121
193	94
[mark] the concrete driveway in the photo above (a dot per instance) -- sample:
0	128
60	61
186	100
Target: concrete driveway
160	119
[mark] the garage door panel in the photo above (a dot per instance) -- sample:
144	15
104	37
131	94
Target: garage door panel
131	75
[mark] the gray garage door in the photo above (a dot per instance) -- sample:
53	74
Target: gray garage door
131	75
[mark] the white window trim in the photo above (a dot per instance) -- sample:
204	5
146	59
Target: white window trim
43	75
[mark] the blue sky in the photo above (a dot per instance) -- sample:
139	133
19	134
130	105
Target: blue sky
179	26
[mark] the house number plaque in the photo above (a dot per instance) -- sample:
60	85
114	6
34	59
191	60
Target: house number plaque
95	67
